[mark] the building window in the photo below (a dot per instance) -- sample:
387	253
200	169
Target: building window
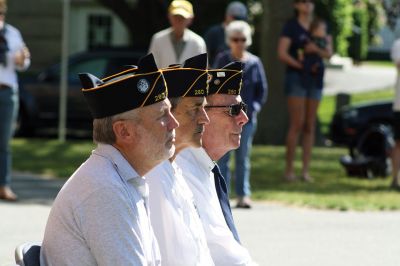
99	31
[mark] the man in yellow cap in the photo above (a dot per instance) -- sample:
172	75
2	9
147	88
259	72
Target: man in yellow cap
177	43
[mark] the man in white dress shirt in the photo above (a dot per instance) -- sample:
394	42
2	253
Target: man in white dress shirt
101	216
227	117
174	217
176	44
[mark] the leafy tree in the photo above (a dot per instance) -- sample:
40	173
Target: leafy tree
338	13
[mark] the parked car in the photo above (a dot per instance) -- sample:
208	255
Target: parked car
349	123
39	95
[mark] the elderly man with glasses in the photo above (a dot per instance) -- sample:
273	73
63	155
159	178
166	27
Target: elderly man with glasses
227	115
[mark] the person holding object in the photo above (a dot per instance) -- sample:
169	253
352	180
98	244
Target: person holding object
14	55
238	37
302	99
227	113
101	214
177	43
174	216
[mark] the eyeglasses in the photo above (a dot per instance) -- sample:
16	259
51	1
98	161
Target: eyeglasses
305	1
234	109
238	39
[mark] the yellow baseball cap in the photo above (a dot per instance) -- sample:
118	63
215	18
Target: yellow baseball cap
181	7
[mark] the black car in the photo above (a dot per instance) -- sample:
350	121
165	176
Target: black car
351	121
39	95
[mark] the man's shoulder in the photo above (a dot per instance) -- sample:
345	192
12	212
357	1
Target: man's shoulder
194	36
215	29
11	29
92	176
162	34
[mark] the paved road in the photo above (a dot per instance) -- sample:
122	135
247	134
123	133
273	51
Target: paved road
358	78
275	234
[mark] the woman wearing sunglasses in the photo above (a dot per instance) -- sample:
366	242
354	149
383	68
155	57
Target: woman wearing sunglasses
253	93
302	97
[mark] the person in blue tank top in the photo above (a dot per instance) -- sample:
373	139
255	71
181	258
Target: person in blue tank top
296	44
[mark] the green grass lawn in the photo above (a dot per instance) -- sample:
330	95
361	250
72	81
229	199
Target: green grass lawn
326	109
331	189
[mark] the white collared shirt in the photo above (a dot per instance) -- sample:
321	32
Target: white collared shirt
174	218
196	167
99	217
163	50
15	43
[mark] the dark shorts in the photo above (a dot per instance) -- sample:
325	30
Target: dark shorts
396	125
294	87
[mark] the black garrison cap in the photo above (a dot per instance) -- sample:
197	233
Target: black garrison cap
133	88
227	80
189	79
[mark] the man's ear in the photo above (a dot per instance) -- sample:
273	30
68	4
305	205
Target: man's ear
123	131
189	22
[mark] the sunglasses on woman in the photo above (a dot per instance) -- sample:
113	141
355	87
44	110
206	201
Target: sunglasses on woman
305	1
234	109
238	39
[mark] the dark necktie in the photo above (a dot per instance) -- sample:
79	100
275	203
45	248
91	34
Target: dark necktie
223	198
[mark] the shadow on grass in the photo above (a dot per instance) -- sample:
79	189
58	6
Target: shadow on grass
50	157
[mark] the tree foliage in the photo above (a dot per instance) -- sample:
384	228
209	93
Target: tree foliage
338	13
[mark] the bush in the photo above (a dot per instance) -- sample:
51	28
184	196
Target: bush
338	13
358	42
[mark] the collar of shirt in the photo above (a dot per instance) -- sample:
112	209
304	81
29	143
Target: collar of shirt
185	37
124	169
202	158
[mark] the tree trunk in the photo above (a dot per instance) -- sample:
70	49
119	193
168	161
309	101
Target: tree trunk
273	119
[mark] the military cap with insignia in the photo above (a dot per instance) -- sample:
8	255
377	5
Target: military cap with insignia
189	79
226	80
133	88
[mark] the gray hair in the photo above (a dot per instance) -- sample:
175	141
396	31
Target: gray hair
103	127
238	26
174	102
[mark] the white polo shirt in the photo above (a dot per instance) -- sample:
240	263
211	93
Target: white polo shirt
196	168
100	216
15	43
174	218
163	50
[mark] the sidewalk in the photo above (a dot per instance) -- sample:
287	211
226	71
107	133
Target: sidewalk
274	234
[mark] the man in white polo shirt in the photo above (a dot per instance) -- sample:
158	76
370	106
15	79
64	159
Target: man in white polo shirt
101	215
176	44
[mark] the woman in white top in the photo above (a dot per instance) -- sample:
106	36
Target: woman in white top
13	56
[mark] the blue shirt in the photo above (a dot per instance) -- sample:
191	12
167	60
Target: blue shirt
298	36
254	87
215	41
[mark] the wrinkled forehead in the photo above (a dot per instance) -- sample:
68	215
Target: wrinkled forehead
223	99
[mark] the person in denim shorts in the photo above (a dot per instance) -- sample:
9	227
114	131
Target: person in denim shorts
303	98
